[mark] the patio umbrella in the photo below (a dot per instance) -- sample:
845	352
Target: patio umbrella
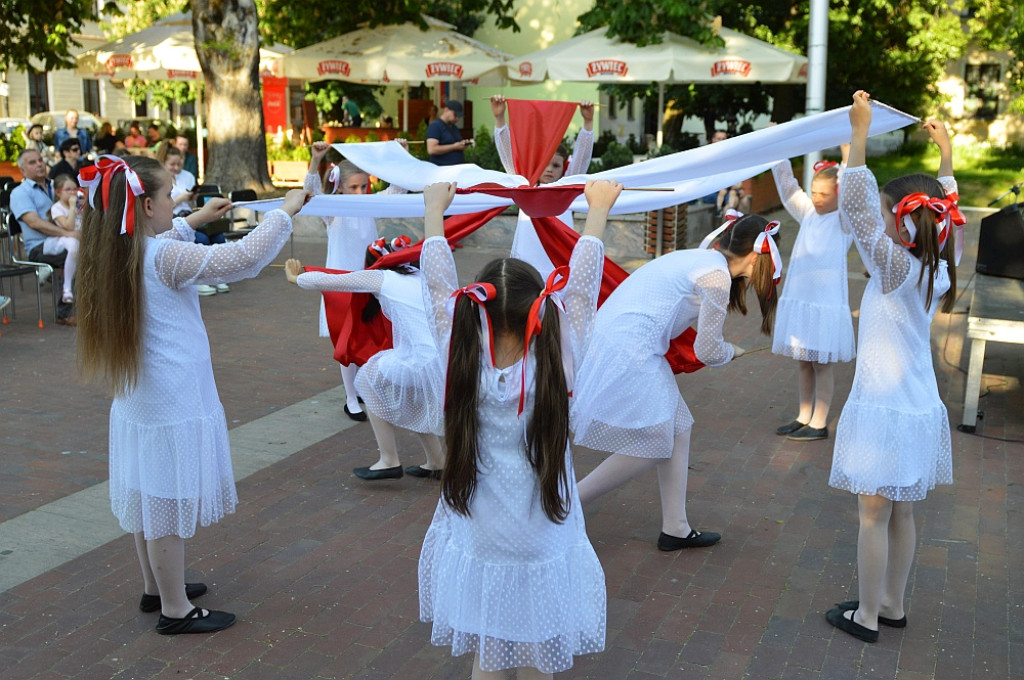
164	51
401	53
594	57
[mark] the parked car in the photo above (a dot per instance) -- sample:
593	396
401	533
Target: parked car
9	125
54	120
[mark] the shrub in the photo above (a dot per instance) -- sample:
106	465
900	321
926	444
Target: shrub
616	156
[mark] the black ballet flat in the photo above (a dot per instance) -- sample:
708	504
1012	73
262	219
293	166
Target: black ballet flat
151	603
789	428
695	539
195	622
383	473
359	416
808	434
853	605
422	472
862	633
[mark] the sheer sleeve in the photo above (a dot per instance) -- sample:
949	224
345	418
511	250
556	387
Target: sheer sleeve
312	184
503	142
709	346
580	294
582	153
860	213
395	189
182	264
438	267
794	199
179	231
949	185
364	281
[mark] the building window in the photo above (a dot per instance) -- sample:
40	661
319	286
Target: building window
629	108
982	99
142	109
613	108
91	96
38	99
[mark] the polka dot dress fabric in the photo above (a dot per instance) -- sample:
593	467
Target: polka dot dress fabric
170	460
813	320
893	434
506	582
626	397
403	385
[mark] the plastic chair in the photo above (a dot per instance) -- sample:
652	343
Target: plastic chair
9	269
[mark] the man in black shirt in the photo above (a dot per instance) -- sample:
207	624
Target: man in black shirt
444	141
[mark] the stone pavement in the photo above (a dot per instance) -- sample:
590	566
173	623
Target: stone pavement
321	567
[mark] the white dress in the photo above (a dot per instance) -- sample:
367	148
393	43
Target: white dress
893	435
170	462
813	320
626	397
506	582
526	244
347	240
403	385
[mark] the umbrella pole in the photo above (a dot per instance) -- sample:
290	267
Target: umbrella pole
200	147
661	113
405	107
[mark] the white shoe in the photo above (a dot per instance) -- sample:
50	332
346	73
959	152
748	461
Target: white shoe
206	290
223	288
43	274
4	301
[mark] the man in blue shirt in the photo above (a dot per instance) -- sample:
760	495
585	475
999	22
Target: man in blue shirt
444	141
45	241
70	130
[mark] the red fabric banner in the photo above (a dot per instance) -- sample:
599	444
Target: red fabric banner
355	341
538	201
536	129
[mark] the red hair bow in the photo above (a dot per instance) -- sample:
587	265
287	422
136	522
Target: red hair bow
379	248
478	293
947	214
400	242
557	280
100	175
822	164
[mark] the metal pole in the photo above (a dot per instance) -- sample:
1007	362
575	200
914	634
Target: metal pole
405	107
817	57
201	150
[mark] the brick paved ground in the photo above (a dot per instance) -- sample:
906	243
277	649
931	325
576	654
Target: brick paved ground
321	567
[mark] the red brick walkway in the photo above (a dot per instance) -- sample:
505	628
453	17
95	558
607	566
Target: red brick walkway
321	567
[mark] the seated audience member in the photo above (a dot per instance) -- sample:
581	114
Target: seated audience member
134	139
191	161
70	159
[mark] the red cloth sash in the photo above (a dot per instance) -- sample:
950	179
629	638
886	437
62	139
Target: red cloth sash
536	129
539	201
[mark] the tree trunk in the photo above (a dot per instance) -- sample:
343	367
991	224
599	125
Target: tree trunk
228	46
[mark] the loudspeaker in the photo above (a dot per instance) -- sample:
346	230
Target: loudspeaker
1001	243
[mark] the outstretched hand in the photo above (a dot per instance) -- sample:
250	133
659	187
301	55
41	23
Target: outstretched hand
860	112
292	269
498	106
294	200
938	132
317	152
436	199
587	112
602	194
213	209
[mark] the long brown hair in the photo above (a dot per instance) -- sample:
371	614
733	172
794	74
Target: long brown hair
926	242
109	283
738	241
547	435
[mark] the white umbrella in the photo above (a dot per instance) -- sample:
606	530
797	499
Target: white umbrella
401	53
164	51
594	57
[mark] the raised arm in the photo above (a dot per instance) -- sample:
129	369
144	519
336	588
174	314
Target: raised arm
860	209
364	281
437	263
502	136
312	182
583	149
937	131
794	198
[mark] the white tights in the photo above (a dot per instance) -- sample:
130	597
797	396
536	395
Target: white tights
618	469
816	387
387	444
886	544
348	379
163	571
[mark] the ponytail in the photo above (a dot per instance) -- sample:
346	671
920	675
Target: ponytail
738	241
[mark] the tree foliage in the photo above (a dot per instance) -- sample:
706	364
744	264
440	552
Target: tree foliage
36	34
999	25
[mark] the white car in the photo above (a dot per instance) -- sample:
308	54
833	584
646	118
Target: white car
54	120
9	125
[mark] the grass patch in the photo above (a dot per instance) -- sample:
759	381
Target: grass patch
982	172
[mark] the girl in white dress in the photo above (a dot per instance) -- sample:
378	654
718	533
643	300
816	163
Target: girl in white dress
347	240
892	443
403	386
627	400
526	244
507	571
140	330
813	323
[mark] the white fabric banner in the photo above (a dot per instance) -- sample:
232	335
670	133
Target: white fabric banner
690	174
